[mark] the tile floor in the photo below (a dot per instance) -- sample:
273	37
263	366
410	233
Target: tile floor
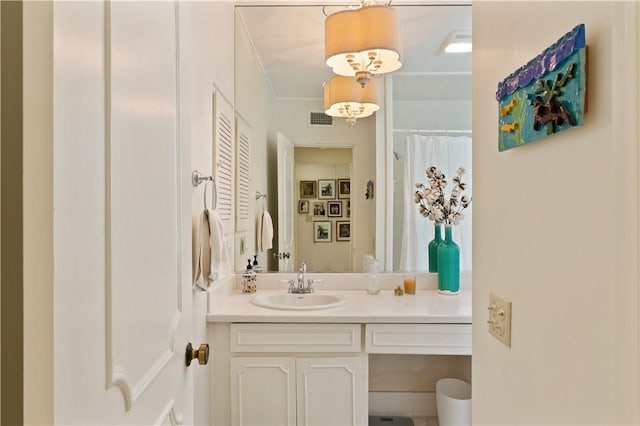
424	421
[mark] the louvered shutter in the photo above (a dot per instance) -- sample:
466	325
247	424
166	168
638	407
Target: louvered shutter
223	160
243	164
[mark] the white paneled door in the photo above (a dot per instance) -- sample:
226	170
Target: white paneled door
122	219
286	195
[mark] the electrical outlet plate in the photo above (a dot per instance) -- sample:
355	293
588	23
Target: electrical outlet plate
500	318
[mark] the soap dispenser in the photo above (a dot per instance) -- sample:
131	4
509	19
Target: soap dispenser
249	279
256	268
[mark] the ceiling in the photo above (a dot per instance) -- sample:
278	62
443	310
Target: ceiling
289	42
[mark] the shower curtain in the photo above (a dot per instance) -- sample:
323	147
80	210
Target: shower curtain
447	153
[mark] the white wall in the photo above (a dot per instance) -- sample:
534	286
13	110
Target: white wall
556	227
432	114
207	61
254	103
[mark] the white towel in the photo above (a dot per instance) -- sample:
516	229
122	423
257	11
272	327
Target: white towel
265	235
203	253
220	265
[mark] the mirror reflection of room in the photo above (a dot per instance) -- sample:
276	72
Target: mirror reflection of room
430	102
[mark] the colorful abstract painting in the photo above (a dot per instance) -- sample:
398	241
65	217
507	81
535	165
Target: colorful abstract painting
545	96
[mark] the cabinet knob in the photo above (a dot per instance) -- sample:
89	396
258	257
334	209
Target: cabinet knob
201	354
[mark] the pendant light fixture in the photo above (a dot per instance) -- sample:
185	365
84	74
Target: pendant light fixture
363	42
344	97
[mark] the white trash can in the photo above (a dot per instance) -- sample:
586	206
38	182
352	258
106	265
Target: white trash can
453	402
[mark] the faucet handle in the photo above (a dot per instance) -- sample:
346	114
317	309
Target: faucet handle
311	282
291	284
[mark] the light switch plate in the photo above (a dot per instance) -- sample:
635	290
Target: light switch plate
500	318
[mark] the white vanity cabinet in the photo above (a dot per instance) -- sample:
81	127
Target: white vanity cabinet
423	339
297	390
263	391
279	367
297	374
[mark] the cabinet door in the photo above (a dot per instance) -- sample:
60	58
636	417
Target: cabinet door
331	391
263	391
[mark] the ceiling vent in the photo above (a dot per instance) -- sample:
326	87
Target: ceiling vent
320	119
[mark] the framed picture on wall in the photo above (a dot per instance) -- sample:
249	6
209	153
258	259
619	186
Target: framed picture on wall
349	208
318	209
343	230
307	189
326	189
344	188
322	231
303	206
334	208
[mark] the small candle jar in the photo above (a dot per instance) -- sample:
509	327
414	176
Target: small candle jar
409	284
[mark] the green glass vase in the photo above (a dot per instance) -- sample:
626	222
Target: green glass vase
448	264
433	248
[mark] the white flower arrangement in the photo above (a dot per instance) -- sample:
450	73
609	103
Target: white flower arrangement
433	203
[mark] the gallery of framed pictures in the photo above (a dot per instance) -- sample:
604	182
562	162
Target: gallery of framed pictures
323	230
322	208
327	198
326	189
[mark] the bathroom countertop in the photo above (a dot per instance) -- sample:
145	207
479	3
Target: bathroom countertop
425	307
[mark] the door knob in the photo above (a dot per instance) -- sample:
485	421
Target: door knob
201	354
283	255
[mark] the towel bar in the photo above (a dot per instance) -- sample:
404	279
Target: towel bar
197	178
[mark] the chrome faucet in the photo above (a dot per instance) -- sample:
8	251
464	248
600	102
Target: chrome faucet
301	273
303	285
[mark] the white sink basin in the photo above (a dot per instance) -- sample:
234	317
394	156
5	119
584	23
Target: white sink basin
290	301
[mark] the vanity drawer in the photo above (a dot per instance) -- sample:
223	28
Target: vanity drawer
428	339
295	337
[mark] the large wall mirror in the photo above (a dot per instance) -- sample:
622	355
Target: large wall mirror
424	120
